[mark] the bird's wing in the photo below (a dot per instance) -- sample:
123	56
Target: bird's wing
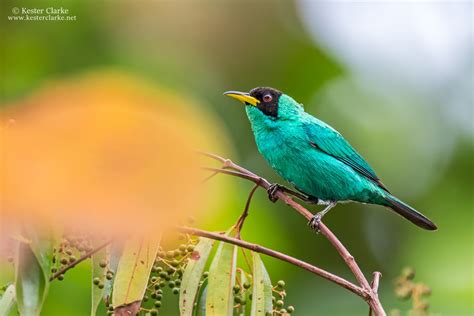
328	140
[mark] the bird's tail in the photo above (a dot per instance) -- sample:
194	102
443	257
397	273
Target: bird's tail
409	213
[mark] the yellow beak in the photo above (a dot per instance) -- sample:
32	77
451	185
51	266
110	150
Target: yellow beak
242	97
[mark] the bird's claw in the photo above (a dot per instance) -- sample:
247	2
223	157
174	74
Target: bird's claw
272	191
314	222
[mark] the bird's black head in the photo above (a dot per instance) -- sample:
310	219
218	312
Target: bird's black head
264	98
268	100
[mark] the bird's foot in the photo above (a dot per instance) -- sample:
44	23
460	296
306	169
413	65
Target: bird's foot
314	222
272	191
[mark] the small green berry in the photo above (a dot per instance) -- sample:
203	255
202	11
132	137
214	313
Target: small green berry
237	299
236	289
190	248
145	298
283	311
174	263
177	282
100	285
96	281
109	276
246	285
281	283
154	312
154	279
159	297
163	274
159	291
205	274
102	263
176	290
171	284
279	303
290	309
182	247
170	254
153	295
64	261
157	304
61	277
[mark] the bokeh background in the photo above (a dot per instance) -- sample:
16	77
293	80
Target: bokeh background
395	78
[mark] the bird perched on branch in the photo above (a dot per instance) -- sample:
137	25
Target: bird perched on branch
314	157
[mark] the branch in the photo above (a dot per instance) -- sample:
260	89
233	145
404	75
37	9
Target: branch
278	255
79	260
241	220
241	172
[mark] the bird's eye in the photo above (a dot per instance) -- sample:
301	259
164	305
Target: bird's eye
267	98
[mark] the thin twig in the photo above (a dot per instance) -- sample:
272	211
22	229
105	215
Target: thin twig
241	220
241	172
278	255
79	260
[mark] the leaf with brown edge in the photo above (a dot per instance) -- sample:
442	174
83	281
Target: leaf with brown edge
220	297
192	276
132	275
262	288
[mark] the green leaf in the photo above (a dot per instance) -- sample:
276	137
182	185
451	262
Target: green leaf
114	254
132	274
200	309
245	310
7	301
100	273
192	276
220	299
31	281
262	288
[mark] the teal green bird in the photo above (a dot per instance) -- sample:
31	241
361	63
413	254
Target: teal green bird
314	157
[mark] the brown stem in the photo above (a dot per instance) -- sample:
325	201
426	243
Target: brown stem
281	256
241	172
79	260
241	220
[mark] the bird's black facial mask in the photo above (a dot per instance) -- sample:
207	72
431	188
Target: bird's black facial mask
268	98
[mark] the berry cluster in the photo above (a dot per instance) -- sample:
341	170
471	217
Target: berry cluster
406	288
167	272
279	300
109	275
69	246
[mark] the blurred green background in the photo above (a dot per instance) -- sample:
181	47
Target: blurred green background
394	78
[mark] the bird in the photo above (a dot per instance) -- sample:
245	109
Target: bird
314	157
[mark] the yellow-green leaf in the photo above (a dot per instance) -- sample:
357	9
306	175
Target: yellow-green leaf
200	309
7	301
100	273
114	252
30	281
132	274
192	276
33	270
262	288
220	299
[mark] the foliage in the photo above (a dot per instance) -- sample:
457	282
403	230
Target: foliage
126	282
407	289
